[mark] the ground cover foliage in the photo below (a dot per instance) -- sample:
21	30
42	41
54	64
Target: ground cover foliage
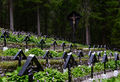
54	75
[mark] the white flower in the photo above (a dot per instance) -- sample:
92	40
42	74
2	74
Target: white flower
79	65
104	76
115	73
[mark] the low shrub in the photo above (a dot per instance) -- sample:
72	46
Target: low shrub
10	52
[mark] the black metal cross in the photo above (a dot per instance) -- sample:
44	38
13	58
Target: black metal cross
63	46
70	62
26	39
42	42
19	56
4	35
54	44
47	56
104	60
29	68
92	61
116	55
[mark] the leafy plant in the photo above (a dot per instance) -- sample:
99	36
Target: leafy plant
81	71
15	78
49	75
36	52
10	52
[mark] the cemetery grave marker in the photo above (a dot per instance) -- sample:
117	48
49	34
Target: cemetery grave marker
63	46
42	42
74	20
116	55
70	62
54	44
90	53
105	47
99	55
101	47
47	56
80	54
26	39
64	56
89	46
70	46
18	34
19	56
92	61
45	37
94	47
5	35
28	68
29	34
98	47
110	54
104	60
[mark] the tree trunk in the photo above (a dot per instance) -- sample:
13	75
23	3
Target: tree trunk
38	21
87	33
46	21
11	16
87	14
0	13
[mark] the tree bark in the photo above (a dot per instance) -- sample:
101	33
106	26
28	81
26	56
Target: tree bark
11	16
46	21
38	21
87	34
0	13
87	14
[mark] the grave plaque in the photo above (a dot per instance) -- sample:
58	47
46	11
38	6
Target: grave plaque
5	35
42	42
26	39
70	62
19	56
63	46
29	68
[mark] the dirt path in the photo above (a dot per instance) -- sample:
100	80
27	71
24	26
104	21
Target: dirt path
101	76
